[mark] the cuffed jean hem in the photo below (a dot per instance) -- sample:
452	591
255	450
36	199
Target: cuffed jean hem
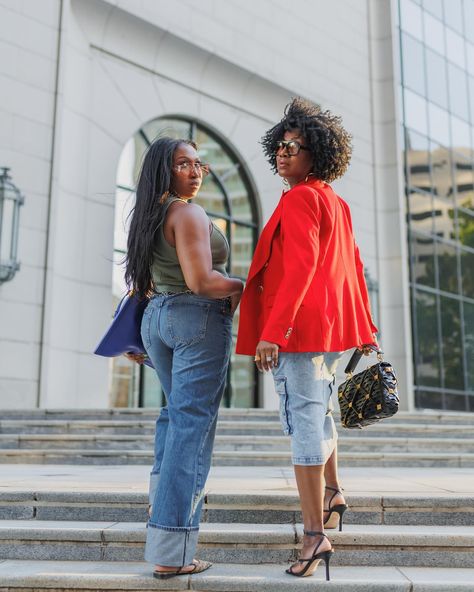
317	460
170	546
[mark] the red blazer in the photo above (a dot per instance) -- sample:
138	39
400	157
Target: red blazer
306	289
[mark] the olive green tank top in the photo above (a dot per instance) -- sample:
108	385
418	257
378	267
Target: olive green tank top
166	271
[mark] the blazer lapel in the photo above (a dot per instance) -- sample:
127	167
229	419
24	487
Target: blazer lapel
262	252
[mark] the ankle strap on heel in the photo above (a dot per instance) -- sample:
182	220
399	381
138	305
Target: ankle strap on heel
314	533
333	489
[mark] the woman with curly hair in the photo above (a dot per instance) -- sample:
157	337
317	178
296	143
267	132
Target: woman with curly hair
306	302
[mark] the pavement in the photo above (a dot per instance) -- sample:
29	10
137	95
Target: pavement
356	481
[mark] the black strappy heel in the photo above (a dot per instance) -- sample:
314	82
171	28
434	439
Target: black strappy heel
338	509
314	560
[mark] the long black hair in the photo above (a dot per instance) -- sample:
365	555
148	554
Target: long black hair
154	184
330	144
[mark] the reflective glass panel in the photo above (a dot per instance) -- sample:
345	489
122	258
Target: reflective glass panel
469	341
447	267
428	399
456	402
441	172
452	344
418	161
421	212
455	48
211	196
423	259
458	97
469	18
411	18
413	64
434	34
467	268
438	124
453	14
174	128
242	249
444	219
427	354
243	381
434	6
436	80
416	112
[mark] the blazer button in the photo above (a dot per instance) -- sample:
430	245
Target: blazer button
288	333
260	288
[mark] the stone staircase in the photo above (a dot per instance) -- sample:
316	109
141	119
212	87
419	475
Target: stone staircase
244	437
90	538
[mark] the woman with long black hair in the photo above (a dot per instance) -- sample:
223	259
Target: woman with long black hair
177	257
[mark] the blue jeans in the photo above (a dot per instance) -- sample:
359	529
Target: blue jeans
188	338
305	382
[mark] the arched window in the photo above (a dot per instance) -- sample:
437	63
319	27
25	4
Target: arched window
228	197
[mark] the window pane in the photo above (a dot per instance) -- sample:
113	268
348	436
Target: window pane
441	171
411	18
436	79
467	270
418	161
415	112
422	256
464	181
460	135
429	400
413	64
458	98
456	402
444	222
427	354
434	6
438	124
470	57
453	15
434	33
451	339
238	195
167	127
242	249
469	342
455	48
243	381
421	212
210	196
447	268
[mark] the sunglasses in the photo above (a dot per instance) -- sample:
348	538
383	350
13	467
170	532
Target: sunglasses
292	147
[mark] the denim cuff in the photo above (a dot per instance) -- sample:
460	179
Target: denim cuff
174	548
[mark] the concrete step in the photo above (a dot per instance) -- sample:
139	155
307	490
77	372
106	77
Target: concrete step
232	458
274	508
96	576
409	546
225	427
237	443
426	416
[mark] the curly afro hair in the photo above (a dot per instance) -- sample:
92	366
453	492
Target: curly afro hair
330	144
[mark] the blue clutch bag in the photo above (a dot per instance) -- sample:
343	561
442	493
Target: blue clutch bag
123	335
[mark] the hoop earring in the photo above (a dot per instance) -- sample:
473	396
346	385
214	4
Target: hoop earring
286	185
307	177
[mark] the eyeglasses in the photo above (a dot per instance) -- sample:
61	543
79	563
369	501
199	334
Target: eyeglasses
186	167
292	147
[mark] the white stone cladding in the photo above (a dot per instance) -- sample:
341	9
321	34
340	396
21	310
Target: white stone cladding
231	64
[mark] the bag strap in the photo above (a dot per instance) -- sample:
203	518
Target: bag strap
356	356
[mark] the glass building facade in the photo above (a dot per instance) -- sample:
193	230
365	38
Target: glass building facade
228	198
437	97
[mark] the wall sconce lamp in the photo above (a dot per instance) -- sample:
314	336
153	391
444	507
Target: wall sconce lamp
10	202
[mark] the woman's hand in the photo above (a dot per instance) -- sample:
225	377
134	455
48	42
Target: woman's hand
368	348
138	358
266	356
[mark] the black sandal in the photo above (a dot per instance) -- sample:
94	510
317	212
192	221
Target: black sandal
338	509
314	559
199	566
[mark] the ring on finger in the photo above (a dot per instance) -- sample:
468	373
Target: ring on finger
269	358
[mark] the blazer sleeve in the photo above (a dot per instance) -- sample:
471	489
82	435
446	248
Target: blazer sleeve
299	224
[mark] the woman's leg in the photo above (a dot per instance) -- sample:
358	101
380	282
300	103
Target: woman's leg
201	336
304	382
162	357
